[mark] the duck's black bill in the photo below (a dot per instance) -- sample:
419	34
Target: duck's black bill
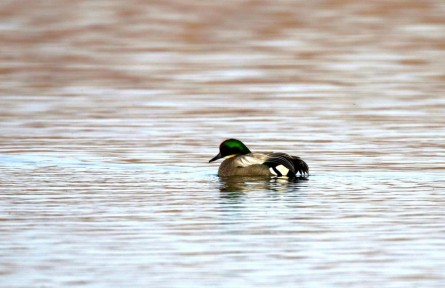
215	158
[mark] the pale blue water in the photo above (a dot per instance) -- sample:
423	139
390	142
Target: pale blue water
70	223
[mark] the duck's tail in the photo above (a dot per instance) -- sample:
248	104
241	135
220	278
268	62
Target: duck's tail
281	164
300	166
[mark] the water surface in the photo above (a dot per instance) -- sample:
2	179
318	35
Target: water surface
110	112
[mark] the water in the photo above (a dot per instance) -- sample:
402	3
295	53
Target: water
110	112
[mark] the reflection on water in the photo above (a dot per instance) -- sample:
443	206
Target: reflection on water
252	184
110	110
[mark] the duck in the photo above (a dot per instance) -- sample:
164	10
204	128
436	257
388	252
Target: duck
240	161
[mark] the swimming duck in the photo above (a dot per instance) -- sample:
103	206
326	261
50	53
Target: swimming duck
239	161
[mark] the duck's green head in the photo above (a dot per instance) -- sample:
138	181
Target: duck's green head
231	147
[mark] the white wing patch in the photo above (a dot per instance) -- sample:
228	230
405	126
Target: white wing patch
283	170
273	171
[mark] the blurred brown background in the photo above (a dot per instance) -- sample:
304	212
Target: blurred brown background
60	47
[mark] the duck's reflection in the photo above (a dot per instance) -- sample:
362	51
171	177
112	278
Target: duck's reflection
235	186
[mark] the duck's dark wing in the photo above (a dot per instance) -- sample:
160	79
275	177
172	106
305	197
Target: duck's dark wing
282	164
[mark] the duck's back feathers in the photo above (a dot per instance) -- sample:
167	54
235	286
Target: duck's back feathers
263	164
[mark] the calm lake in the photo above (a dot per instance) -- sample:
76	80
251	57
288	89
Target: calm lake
110	111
